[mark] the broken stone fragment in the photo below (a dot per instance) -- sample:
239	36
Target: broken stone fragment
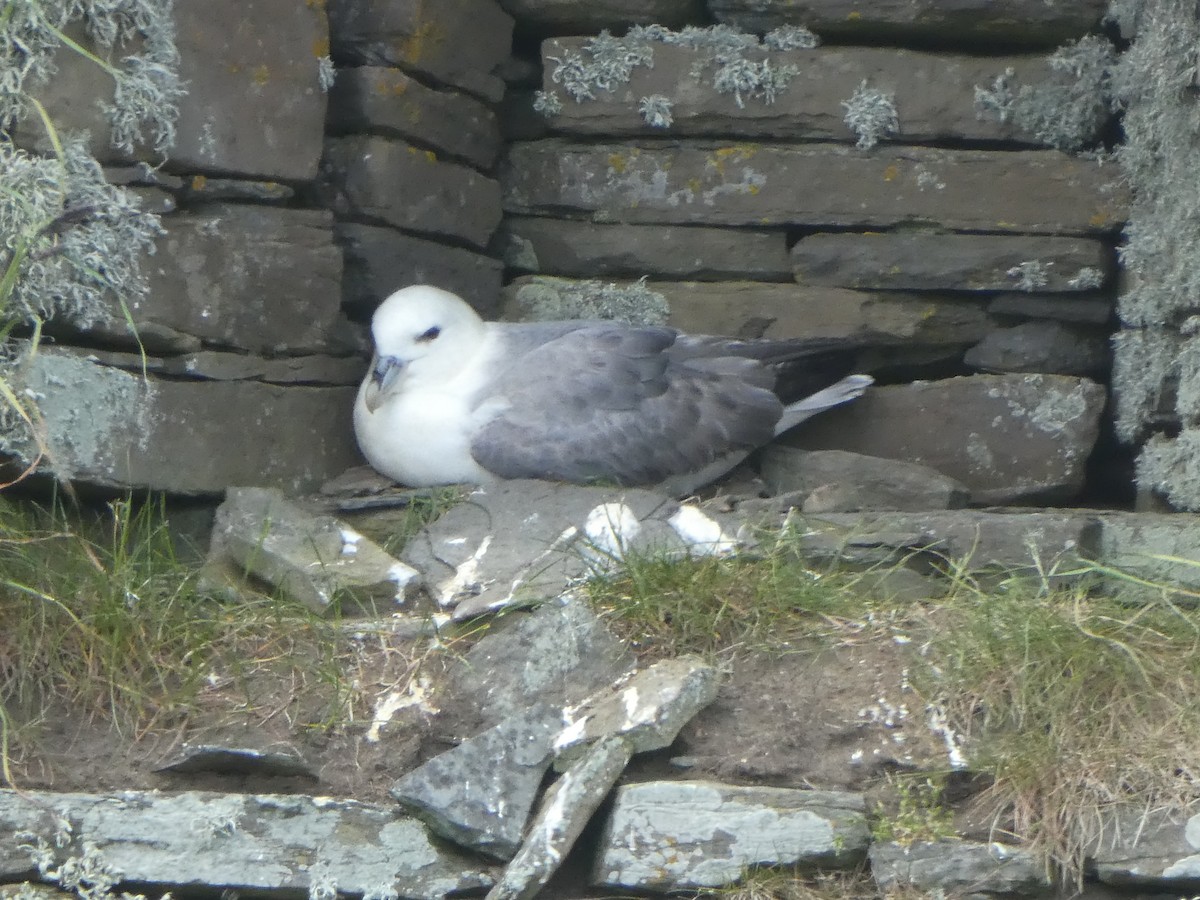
665	836
863	482
566	809
957	867
648	708
314	559
243	842
1158	849
480	793
218	760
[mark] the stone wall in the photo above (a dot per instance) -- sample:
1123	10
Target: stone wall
914	186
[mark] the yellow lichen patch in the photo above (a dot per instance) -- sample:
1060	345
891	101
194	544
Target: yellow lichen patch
617	163
891	173
1101	218
752	189
431	156
315	4
261	74
694	185
854	15
417	45
199	182
736	153
320	47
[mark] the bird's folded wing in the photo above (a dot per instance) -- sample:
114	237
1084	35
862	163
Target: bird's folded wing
614	404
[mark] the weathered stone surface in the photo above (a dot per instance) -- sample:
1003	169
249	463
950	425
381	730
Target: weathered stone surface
957	867
519	542
1159	547
382	260
480	793
458	42
573	17
565	810
386	101
647	709
1160	850
756	309
1095	310
706	183
960	262
588	250
202	188
665	836
254	278
402	185
999	538
1006	437
212	365
251	842
1031	23
559	654
269	62
1041	347
866	482
933	93
115	429
238	761
315	560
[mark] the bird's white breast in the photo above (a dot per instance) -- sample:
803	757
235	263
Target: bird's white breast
420	434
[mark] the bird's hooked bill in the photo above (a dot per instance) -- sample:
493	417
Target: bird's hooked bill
384	371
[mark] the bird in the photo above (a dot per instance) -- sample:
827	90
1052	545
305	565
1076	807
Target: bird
450	398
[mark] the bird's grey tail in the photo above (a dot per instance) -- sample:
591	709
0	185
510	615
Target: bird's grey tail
849	388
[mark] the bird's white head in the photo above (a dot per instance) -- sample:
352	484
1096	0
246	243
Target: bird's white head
422	334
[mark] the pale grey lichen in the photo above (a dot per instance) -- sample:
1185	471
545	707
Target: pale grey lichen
147	87
871	115
74	240
1171	466
1145	369
1068	108
326	73
655	110
550	299
791	37
1087	278
605	62
547	103
1030	275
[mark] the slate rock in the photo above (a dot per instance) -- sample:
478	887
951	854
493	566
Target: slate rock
712	183
559	654
665	836
245	842
240	761
480	793
203	189
1160	850
588	250
573	17
960	262
402	185
381	260
519	542
752	309
981	539
933	93
1157	547
1063	307
962	23
313	559
565	811
455	42
1008	438
115	429
385	101
866	482
269	62
647	709
241	276
214	365
957	867
1041	347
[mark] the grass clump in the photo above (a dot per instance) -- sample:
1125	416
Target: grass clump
106	623
920	814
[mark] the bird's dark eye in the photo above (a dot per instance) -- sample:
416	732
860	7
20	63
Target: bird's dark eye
429	334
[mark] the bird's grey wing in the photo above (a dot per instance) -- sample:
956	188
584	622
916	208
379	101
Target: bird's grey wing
611	403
